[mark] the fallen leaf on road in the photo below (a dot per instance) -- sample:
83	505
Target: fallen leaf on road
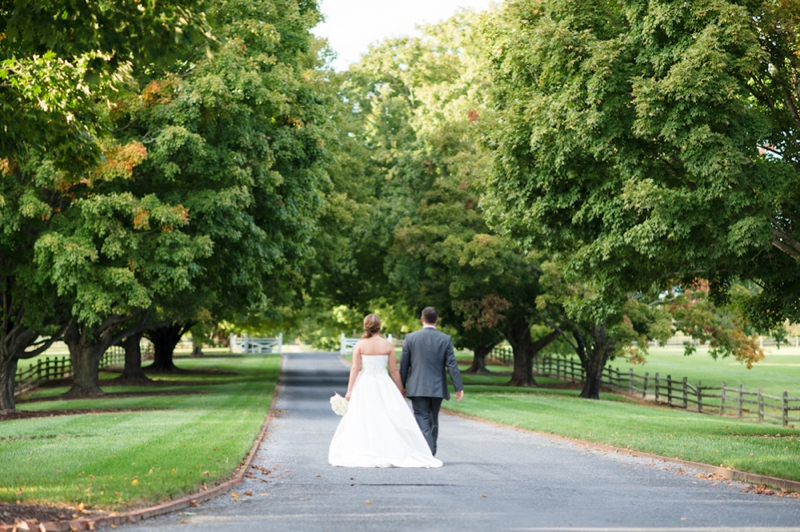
483	495
248	493
367	502
265	494
318	475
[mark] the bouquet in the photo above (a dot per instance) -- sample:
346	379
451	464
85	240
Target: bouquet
339	404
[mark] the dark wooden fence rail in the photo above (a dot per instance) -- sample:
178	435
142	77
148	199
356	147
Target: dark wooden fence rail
52	368
720	400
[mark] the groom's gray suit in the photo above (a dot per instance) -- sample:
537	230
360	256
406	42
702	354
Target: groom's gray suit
426	354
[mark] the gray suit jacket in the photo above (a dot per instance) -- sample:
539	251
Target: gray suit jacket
426	354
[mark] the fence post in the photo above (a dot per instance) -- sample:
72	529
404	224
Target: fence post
760	404
39	369
741	396
630	380
280	342
657	385
722	399
342	348
644	387
669	389
785	409
699	396
685	394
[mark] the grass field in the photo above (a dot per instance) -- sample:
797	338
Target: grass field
115	459
778	372
622	422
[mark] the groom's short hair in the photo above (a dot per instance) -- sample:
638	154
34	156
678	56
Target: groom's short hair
429	315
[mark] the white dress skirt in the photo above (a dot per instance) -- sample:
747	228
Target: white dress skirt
379	429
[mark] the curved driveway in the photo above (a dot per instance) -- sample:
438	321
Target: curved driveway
494	478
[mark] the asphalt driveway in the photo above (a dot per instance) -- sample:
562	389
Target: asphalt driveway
493	478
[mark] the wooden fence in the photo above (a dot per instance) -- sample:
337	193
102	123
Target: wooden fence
259	346
52	368
720	400
346	344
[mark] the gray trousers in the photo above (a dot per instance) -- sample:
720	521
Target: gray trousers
426	412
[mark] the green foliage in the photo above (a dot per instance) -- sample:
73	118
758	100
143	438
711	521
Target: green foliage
649	142
238	141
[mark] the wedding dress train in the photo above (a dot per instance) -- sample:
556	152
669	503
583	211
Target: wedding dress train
378	429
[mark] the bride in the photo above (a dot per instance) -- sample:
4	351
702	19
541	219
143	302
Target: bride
378	429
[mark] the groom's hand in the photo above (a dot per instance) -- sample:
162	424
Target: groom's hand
460	395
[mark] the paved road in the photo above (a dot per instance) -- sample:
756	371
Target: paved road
493	479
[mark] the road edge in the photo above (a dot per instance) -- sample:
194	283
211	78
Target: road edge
724	472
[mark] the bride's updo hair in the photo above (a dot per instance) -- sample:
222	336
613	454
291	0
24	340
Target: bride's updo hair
372	325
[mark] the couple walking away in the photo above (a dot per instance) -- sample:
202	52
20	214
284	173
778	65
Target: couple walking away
378	429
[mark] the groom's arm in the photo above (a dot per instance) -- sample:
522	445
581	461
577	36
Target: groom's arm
452	368
405	362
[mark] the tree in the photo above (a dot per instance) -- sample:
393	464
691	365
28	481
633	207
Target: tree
653	140
61	62
238	139
112	255
629	146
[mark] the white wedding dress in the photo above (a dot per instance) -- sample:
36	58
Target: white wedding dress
378	429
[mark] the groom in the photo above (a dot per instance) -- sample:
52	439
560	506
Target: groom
426	353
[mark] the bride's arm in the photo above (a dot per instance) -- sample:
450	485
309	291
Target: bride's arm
393	371
355	367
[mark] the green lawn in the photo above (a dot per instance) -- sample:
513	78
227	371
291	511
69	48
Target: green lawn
758	448
778	372
117	460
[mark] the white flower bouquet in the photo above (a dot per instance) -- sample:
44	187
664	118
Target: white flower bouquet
339	404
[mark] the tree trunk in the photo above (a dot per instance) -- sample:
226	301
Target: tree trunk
197	351
85	353
525	349
480	353
594	360
133	359
8	371
13	345
164	341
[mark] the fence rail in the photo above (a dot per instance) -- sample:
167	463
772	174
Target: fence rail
53	368
260	346
721	400
346	344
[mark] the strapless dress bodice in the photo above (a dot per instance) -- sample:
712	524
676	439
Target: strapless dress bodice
374	364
